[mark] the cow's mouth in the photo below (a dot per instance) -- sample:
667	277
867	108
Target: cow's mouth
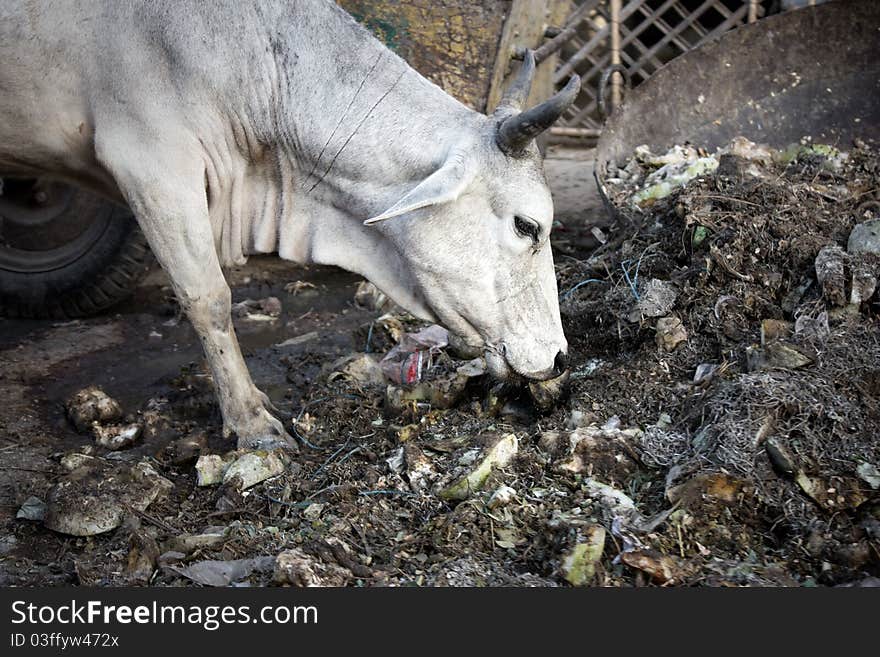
498	360
500	367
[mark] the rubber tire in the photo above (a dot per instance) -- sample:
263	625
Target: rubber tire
100	278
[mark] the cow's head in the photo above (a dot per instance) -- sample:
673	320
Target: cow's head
474	238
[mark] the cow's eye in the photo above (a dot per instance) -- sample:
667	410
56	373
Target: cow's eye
526	228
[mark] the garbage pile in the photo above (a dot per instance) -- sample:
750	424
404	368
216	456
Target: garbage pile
736	318
721	426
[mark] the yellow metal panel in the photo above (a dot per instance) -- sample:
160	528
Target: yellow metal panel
453	43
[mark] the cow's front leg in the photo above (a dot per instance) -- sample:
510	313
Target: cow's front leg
245	409
171	208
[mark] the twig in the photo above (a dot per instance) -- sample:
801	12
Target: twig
238	511
303	410
716	255
368	346
153	520
45	472
715	197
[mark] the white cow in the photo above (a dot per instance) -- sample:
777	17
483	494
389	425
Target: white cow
235	127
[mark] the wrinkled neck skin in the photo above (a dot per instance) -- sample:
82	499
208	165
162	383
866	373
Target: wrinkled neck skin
355	129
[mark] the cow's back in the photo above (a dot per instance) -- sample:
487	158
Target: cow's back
67	66
263	91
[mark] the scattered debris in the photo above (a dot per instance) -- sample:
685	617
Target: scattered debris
655	299
714	485
361	368
313	511
397	461
868	472
498	455
662	568
864	283
92	405
670	333
185	451
502	496
76	460
186	543
299	287
224	573
865	238
780	456
579	565
115	437
775	329
772	468
241	469
420	471
443	389
782	337
252	468
834	494
411	359
96	496
705	372
607	449
809	327
296	568
143	555
268	309
299	339
677	167
830	267
210	469
777	354
33	508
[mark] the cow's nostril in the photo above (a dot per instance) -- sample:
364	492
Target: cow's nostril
560	363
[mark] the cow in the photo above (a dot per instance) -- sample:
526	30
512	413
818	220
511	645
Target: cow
237	127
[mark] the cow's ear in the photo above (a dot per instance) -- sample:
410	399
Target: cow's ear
442	186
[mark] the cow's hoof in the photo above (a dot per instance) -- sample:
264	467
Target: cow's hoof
268	443
264	433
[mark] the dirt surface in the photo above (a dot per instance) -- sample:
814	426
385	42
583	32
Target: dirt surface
755	474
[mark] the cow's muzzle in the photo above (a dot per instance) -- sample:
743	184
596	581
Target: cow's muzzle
501	366
560	364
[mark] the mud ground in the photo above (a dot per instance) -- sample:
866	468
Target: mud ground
359	505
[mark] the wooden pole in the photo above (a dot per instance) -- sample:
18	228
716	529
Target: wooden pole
559	36
753	11
615	52
583	133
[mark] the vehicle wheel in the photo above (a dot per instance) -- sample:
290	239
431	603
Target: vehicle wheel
65	253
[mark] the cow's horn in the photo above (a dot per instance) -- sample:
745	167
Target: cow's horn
518	92
515	132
